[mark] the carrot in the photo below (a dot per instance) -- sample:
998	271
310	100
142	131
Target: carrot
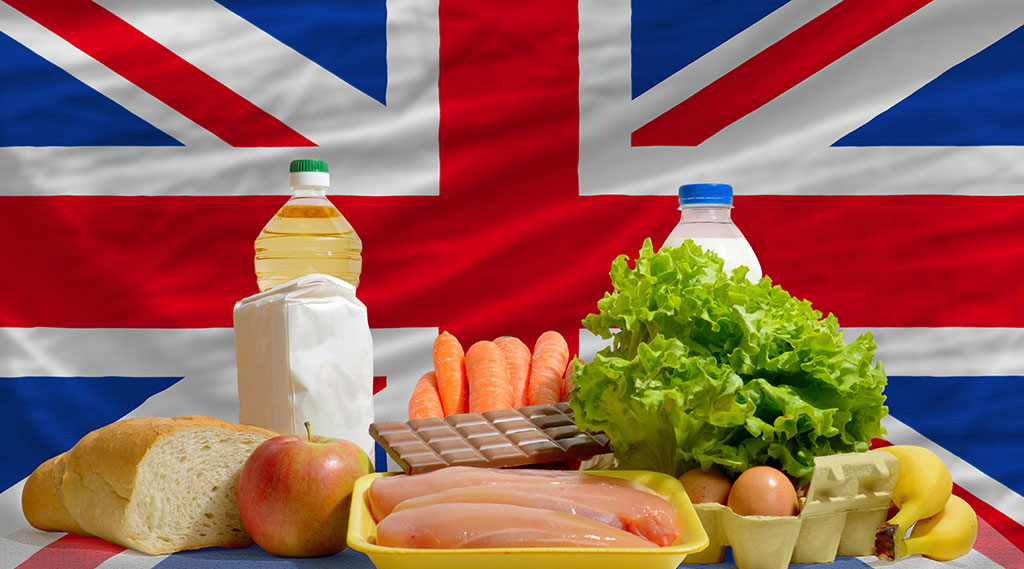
550	356
425	401
450	367
567	384
517	356
487	372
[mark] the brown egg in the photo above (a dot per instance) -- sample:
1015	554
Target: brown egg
703	486
763	491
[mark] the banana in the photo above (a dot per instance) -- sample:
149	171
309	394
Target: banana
944	536
923	486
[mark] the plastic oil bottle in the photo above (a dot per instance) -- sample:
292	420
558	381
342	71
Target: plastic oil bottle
308	234
706	218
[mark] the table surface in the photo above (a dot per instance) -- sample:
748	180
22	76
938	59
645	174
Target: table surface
31	549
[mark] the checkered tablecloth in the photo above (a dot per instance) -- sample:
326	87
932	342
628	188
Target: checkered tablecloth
31	549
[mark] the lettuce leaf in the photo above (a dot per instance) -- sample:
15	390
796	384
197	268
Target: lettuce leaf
708	369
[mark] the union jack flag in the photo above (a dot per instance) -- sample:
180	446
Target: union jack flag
495	157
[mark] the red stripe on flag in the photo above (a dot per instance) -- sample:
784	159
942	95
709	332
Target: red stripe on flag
774	71
1006	526
72	552
182	262
160	72
894	260
509	139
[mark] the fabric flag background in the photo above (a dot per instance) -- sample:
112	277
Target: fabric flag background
495	157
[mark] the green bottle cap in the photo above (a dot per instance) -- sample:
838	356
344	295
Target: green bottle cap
308	165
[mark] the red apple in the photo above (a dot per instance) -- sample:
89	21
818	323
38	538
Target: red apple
294	493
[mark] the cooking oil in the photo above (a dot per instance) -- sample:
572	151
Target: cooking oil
308	234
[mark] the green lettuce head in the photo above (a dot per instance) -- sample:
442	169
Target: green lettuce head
709	369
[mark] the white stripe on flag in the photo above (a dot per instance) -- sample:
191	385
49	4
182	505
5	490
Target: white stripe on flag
949	351
17	546
687	81
284	89
296	89
11	517
357	134
973	560
205	357
875	76
129	559
52	47
751	154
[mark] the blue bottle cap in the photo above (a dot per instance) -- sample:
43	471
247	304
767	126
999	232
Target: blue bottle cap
705	194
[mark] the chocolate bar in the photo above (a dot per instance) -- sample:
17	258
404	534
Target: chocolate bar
531	435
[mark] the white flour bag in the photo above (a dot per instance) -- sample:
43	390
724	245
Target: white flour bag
304	353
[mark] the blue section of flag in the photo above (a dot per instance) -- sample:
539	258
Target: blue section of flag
43	105
346	37
48	415
668	35
975	418
380	458
255	558
979	102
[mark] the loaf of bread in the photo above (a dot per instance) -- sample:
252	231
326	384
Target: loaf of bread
152	484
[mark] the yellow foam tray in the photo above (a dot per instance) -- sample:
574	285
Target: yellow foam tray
848	498
362	531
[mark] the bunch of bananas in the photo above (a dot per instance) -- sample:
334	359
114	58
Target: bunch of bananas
945	526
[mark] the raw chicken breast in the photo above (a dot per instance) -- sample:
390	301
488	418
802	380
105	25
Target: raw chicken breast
386	492
644	514
459	526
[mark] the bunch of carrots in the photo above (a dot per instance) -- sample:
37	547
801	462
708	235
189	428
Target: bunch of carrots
499	374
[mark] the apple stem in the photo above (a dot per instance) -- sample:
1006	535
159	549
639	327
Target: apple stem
309	433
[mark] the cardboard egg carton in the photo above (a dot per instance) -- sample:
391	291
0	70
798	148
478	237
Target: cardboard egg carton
848	498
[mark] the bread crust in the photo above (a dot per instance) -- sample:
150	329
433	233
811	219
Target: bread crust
98	479
42	499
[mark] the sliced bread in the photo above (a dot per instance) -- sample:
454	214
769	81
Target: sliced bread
153	484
